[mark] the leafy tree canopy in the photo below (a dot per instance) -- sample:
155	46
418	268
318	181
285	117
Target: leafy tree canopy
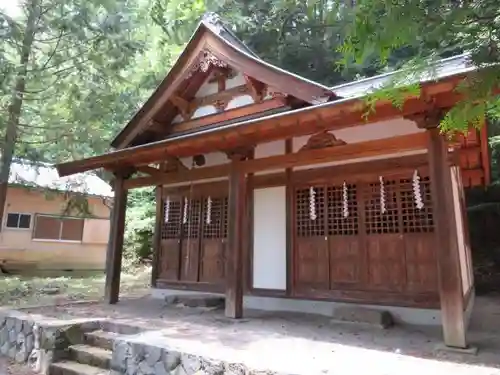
434	29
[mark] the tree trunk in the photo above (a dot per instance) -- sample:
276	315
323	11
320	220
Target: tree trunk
15	107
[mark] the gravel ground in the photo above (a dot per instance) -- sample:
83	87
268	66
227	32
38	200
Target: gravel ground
8	367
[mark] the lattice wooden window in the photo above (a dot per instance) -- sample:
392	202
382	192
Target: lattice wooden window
376	221
415	220
338	225
215	228
305	226
191	228
172	228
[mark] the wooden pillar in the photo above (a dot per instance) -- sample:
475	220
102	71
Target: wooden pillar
234	251
115	244
157	235
449	271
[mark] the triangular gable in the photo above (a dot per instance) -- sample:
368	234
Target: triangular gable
211	50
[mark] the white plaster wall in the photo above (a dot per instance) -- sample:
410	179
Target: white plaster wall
211	159
207	88
204	111
264	150
212	88
269	238
237	80
177	119
239	101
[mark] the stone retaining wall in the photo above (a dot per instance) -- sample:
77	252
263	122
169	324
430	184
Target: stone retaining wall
135	358
36	340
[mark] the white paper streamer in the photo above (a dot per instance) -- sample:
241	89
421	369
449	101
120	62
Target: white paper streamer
345	203
312	204
383	208
417	193
167	210
185	214
209	210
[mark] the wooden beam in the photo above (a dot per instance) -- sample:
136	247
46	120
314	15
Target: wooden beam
234	253
449	272
359	171
115	244
157	236
337	153
182	105
181	176
227	115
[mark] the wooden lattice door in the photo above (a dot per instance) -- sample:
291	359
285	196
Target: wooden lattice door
400	240
311	243
214	239
418	237
190	244
345	244
169	257
384	243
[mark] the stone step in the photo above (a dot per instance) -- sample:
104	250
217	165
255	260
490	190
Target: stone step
90	355
100	339
75	368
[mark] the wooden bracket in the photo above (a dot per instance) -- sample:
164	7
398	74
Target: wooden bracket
154	172
182	105
240	154
429	119
173	164
256	88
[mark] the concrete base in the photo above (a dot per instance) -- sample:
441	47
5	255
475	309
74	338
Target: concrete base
442	348
401	315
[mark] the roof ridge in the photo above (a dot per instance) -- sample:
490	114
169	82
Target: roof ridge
215	22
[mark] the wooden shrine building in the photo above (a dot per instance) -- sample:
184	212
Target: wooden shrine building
282	193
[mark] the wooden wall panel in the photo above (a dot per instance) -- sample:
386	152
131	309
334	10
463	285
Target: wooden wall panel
312	264
346	261
386	262
420	263
169	259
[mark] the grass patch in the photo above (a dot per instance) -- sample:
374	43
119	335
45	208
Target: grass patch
24	290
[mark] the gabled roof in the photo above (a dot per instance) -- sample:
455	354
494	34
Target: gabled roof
212	40
45	176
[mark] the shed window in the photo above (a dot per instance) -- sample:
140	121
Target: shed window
58	229
18	221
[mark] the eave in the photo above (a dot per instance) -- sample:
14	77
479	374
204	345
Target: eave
328	116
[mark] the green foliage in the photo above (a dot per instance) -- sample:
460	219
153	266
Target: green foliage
434	28
301	37
140	221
